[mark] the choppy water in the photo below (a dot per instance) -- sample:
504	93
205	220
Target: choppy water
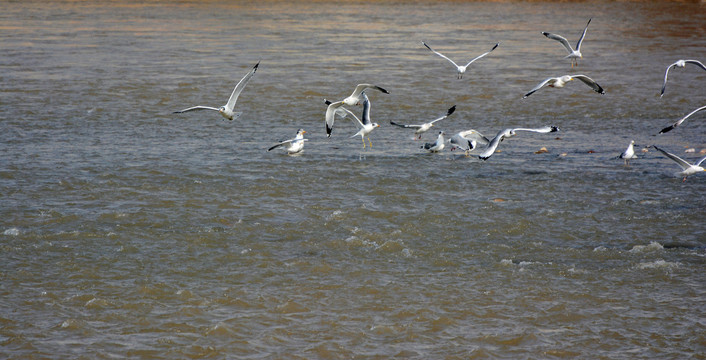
129	231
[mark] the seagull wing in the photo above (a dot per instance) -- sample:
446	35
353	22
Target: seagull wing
682	163
361	87
366	110
239	88
285	142
440	54
196	108
696	62
545	82
474	135
578	44
484	54
588	81
360	123
493	145
560	39
670	127
448	112
700	161
405	126
543	130
331	111
666	74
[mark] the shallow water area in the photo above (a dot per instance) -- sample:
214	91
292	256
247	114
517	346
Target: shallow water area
130	231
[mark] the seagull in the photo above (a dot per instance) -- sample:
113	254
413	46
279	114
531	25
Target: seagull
574	55
687	169
460	69
366	126
293	146
506	133
681	64
559	82
629	153
426	126
670	127
437	145
467	140
227	110
355	97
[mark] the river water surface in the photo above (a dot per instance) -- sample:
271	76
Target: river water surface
130	231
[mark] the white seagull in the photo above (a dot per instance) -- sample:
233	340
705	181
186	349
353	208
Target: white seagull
420	129
292	146
366	126
460	69
681	64
574	54
670	127
467	140
506	133
629	153
355	97
437	145
687	169
559	82
227	110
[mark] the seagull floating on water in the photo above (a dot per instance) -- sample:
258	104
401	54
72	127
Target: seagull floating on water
506	133
227	110
559	82
681	64
687	169
629	153
574	54
670	127
467	140
292	146
420	129
437	145
460	70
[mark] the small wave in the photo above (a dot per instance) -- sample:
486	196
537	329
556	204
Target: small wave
658	264
653	246
13	231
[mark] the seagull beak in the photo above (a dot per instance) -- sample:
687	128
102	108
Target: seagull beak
304	132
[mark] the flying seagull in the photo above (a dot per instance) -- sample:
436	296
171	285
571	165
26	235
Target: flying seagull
459	69
559	82
506	133
681	64
366	125
420	129
227	110
574	54
355	97
292	146
687	169
629	153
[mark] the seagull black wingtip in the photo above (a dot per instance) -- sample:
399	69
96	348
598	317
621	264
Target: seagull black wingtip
667	129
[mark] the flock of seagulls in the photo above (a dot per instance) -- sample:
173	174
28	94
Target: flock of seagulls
468	140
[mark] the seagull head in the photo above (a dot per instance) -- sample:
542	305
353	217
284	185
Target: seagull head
376	125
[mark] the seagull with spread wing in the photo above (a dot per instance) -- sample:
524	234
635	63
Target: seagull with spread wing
687	169
680	64
460	70
559	82
227	110
574	54
421	129
506	133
